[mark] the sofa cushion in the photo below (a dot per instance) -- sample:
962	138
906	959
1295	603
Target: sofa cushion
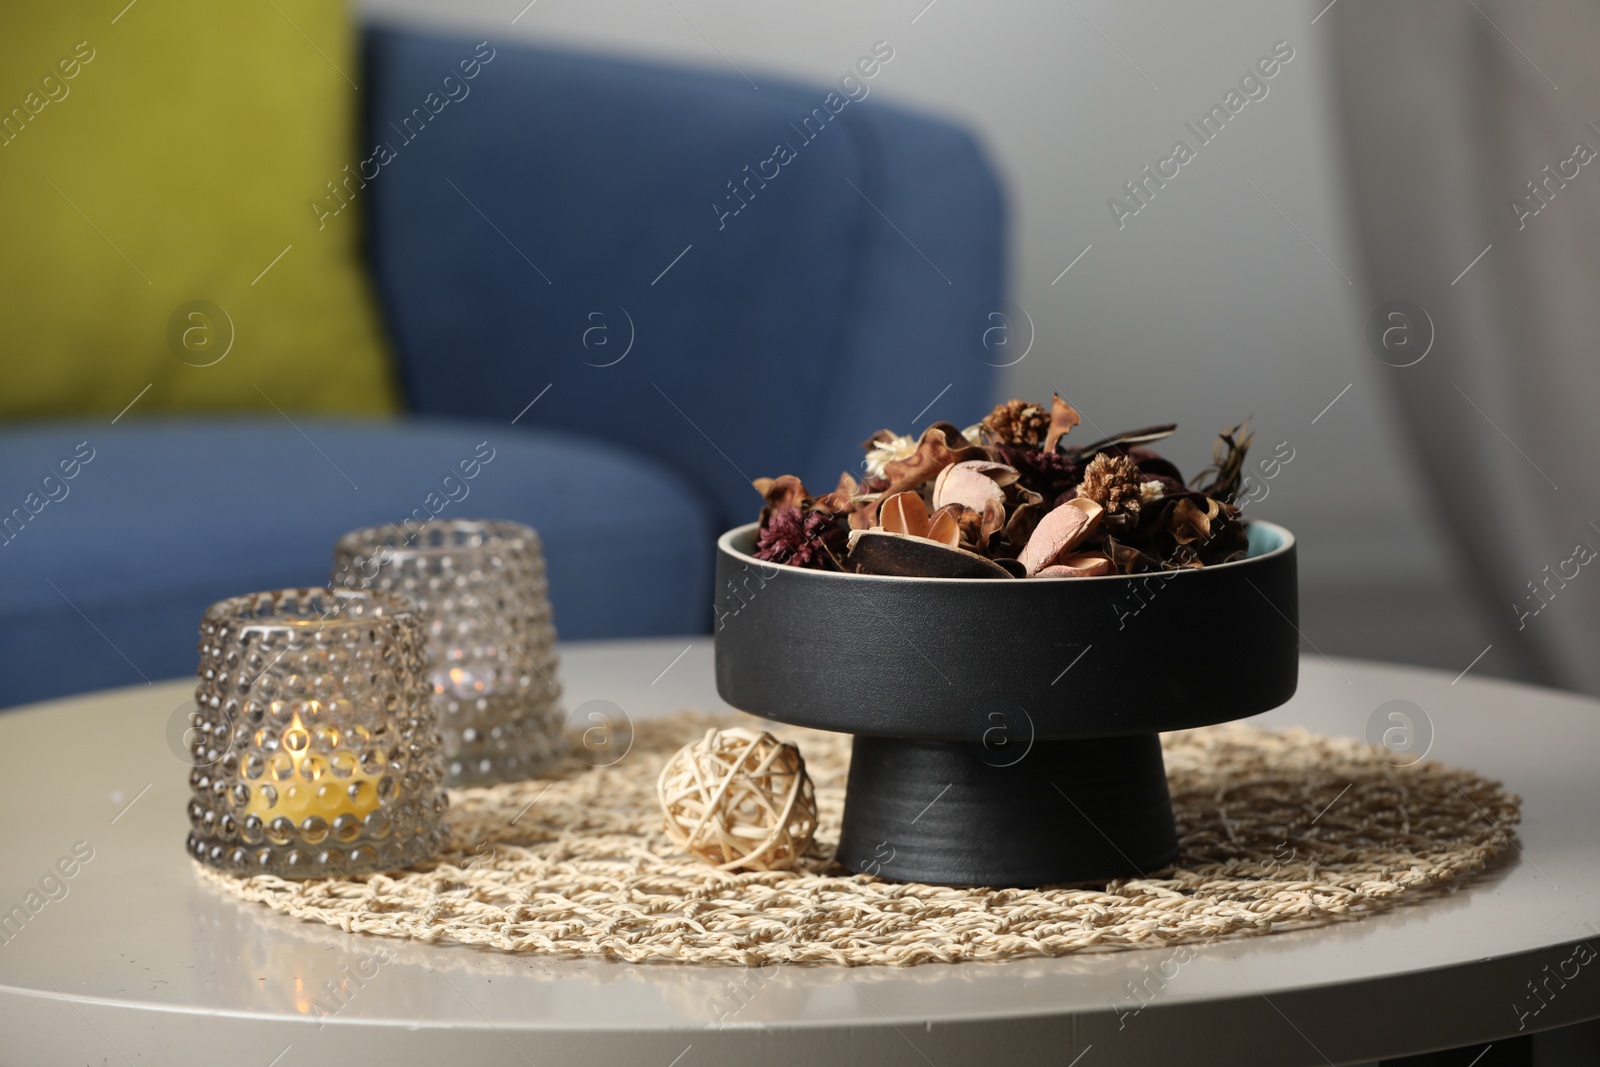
156	160
115	539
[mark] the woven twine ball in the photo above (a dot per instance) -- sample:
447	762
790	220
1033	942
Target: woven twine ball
739	800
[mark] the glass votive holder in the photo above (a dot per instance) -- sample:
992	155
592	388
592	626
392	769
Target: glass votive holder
481	588
316	750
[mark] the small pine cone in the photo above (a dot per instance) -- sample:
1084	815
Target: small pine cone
1017	422
1113	482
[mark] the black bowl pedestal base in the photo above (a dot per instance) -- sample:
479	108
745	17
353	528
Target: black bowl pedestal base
962	814
1007	732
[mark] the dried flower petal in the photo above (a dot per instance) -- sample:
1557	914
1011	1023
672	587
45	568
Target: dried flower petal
904	513
945	526
1088	565
975	483
1187	522
1060	531
969	525
1126	559
993	521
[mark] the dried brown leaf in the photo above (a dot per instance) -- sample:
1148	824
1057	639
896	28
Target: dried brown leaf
782	492
941	445
1063	417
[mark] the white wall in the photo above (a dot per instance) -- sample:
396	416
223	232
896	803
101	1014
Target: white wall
1207	307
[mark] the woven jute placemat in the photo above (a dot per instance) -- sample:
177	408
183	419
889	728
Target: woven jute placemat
1278	830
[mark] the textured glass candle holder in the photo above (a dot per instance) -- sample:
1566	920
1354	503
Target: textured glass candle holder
316	749
481	587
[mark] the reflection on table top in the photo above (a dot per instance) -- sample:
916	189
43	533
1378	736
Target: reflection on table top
133	928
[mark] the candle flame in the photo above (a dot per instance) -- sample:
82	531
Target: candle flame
295	738
461	678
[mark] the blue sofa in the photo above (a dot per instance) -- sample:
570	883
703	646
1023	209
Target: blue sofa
576	309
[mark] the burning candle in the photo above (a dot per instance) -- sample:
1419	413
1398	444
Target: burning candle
316	747
320	787
480	585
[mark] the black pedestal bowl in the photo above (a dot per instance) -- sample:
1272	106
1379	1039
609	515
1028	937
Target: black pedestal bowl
1007	730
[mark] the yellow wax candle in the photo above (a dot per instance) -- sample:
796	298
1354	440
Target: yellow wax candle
300	784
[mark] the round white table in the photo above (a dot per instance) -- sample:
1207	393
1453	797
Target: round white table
130	959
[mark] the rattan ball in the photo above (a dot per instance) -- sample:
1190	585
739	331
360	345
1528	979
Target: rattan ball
740	800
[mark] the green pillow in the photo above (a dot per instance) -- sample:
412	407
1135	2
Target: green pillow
158	163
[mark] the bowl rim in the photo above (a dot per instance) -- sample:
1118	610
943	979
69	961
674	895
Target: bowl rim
1286	545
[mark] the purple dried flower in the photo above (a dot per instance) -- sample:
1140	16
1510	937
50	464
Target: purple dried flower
801	539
